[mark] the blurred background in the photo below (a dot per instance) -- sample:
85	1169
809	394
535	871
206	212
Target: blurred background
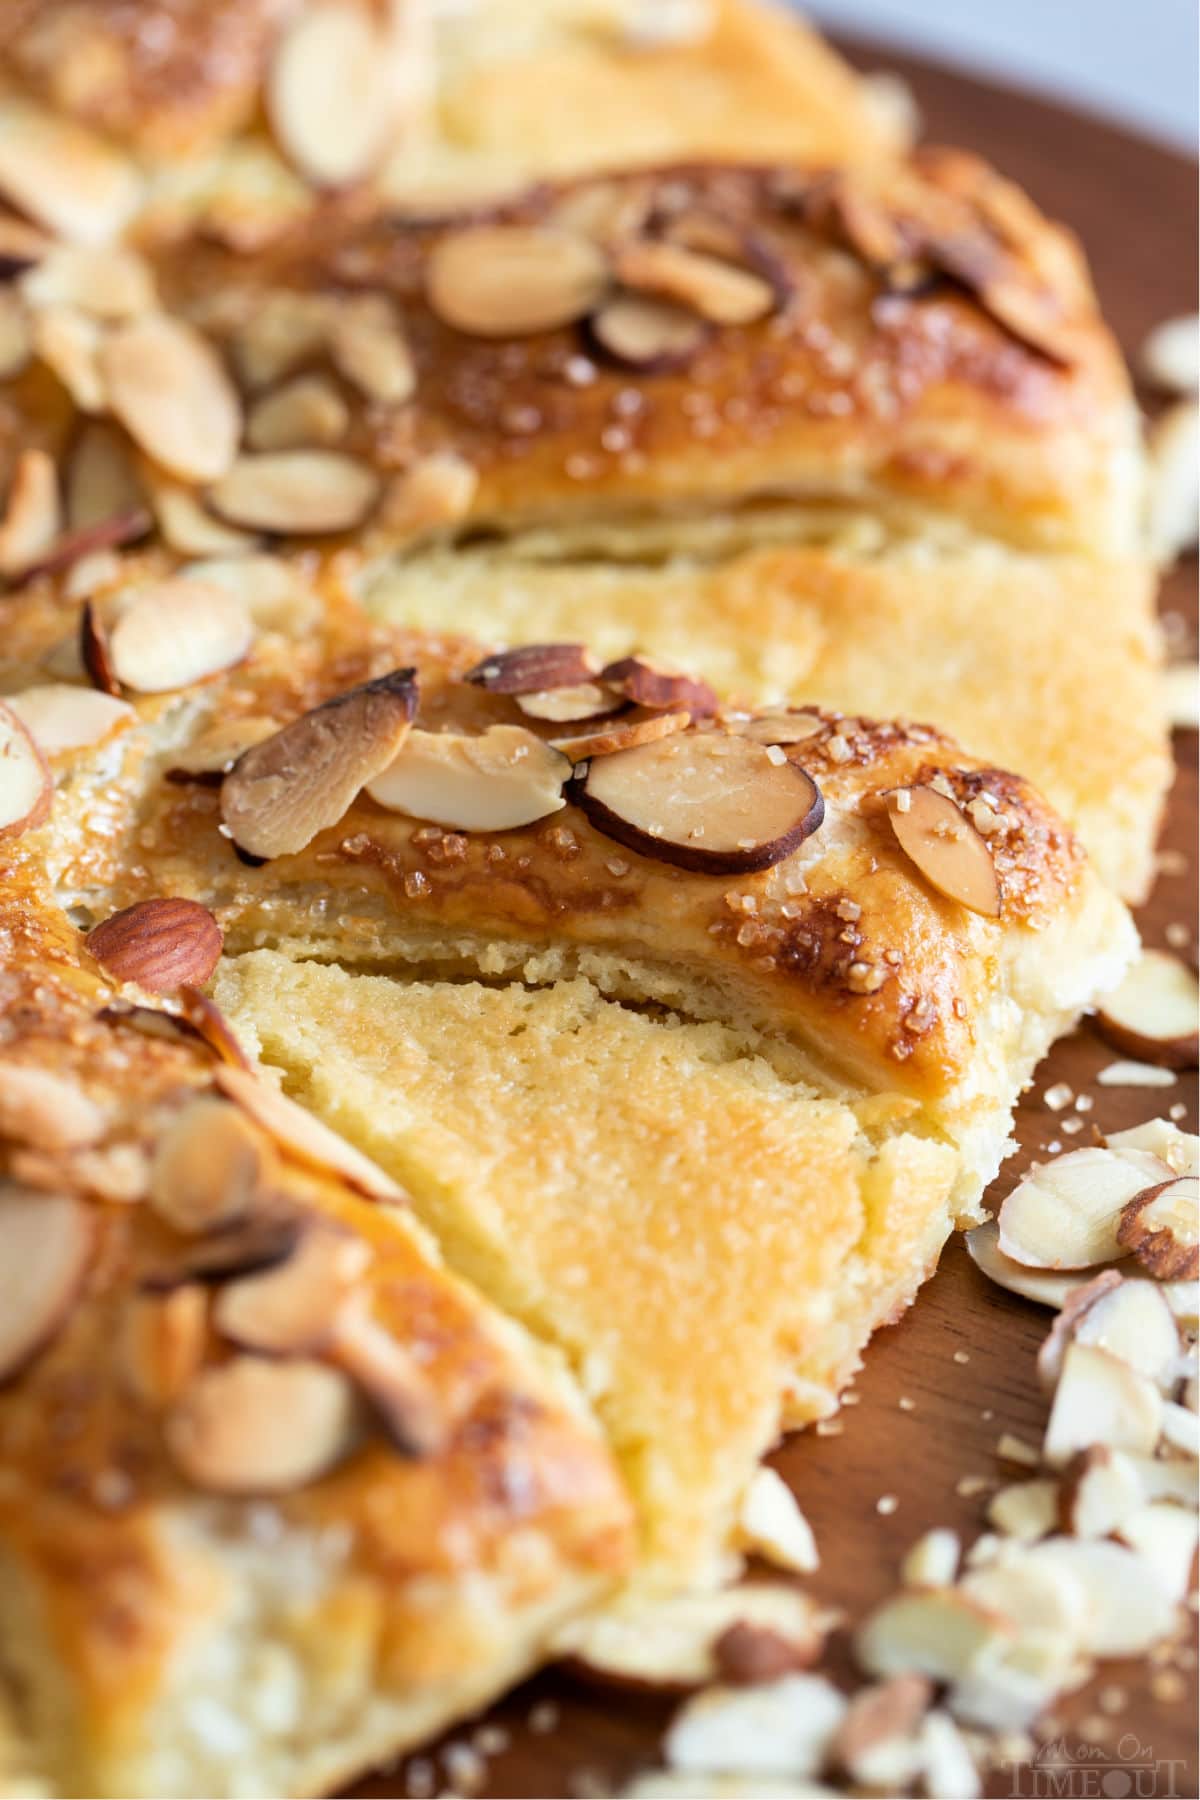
1134	61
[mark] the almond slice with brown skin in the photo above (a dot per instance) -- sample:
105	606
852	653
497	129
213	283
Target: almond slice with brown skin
1064	1214
624	734
1131	1320
297	492
654	336
253	1426
1101	1400
26	788
783	1728
160	944
717	290
168	387
245	1247
659	687
879	1720
303	778
293	1307
937	836
60	717
504	778
1062	1333
94	652
1162	1228
301	1137
680	1642
1099	1490
203	1016
712	803
211	1166
329	92
572	705
498	281
777	728
534	669
162	1342
1155	1013
209	758
45	1248
387	1373
1042	1286
178	632
105	534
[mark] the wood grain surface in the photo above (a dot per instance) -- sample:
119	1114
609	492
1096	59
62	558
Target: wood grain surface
938	1388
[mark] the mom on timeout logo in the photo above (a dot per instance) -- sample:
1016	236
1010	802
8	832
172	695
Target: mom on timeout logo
1127	1770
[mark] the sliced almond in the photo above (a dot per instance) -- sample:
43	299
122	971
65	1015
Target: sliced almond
186	524
1136	1074
571	705
1099	1489
1026	1510
777	727
1155	1013
653	336
1062	1334
1127	1609
369	347
47	1110
658	687
301	1137
276	591
210	757
283	329
88	554
675	1644
178	632
1043	1286
45	1248
94	651
168	387
69	180
950	1770
1170	356
160	944
782	1728
1065	1213
622	734
534	669
502	779
498	281
434	493
306	413
937	836
60	717
771	1524
1164	1536
68	342
875	1744
205	1018
1180	1150
938	1632
1134	1322
26	788
1181	1429
1162	1228
16	335
32	514
933	1560
253	1426
296	491
715	804
301	780
294	1307
1169	1478
393	1379
162	1342
329	92
717	290
1180	688
108	282
210	1167
245	1247
101	481
1100	1400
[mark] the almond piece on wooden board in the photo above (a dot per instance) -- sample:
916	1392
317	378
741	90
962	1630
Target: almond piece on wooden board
177	632
1064	1214
1161	1226
709	802
497	781
937	836
1026	1510
497	281
1154	1015
45	1249
654	336
1180	1150
622	734
253	1426
1128	1318
784	1727
875	1744
771	1524
1101	1400
294	1306
160	944
169	388
933	1560
303	1138
1099	1489
294	784
938	1632
296	492
682	1641
330	93
26	787
1128	1609
61	718
211	1166
1164	1536
659	688
1044	1286
63	176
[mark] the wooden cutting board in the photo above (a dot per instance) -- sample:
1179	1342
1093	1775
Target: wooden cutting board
938	1388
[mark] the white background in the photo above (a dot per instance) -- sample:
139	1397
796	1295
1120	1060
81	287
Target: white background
1133	60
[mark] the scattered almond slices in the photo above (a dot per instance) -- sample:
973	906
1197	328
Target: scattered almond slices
680	1643
301	1137
654	336
933	1560
718	291
32	513
771	1524
1099	1490
1043	1286
1101	1400
62	718
1162	1228
534	669
937	1632
45	1249
658	687
306	413
712	803
1180	1150
571	705
161	944
211	1166
876	1745
1135	1074
185	522
1064	1214
253	1426
26	788
302	779
1026	1510
293	1307
330	92
168	387
504	778
936	835
1170	356
1127	1608
101	481
622	734
1129	1319
783	1727
498	281
298	492
63	176
177	632
1155	1013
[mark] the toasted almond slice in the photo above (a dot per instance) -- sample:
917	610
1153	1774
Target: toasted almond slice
294	1306
658	687
32	513
26	788
572	705
168	387
60	717
782	1728
45	1248
933	1560
1180	1150
1164	1536
673	1644
1062	1334
186	523
495	782
296	491
88	555
1101	1400
622	734
211	756
434	493
937	1632
1173	510
210	1167
70	181
301	1137
160	944
301	780
368	346
108	282
771	1524
1064	1214
1134	1322
1155	1013
1170	356
178	632
715	804
1099	1489
655	336
284	329
101	481
1026	1510
205	1018
935	833
162	1342
306	413
1048	1289
254	1426
1181	1429
1128	1610
391	1378
1162	1228
94	651
717	290
777	727
68	342
276	591
47	1110
534	669
875	1744
329	92
514	280
16	335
